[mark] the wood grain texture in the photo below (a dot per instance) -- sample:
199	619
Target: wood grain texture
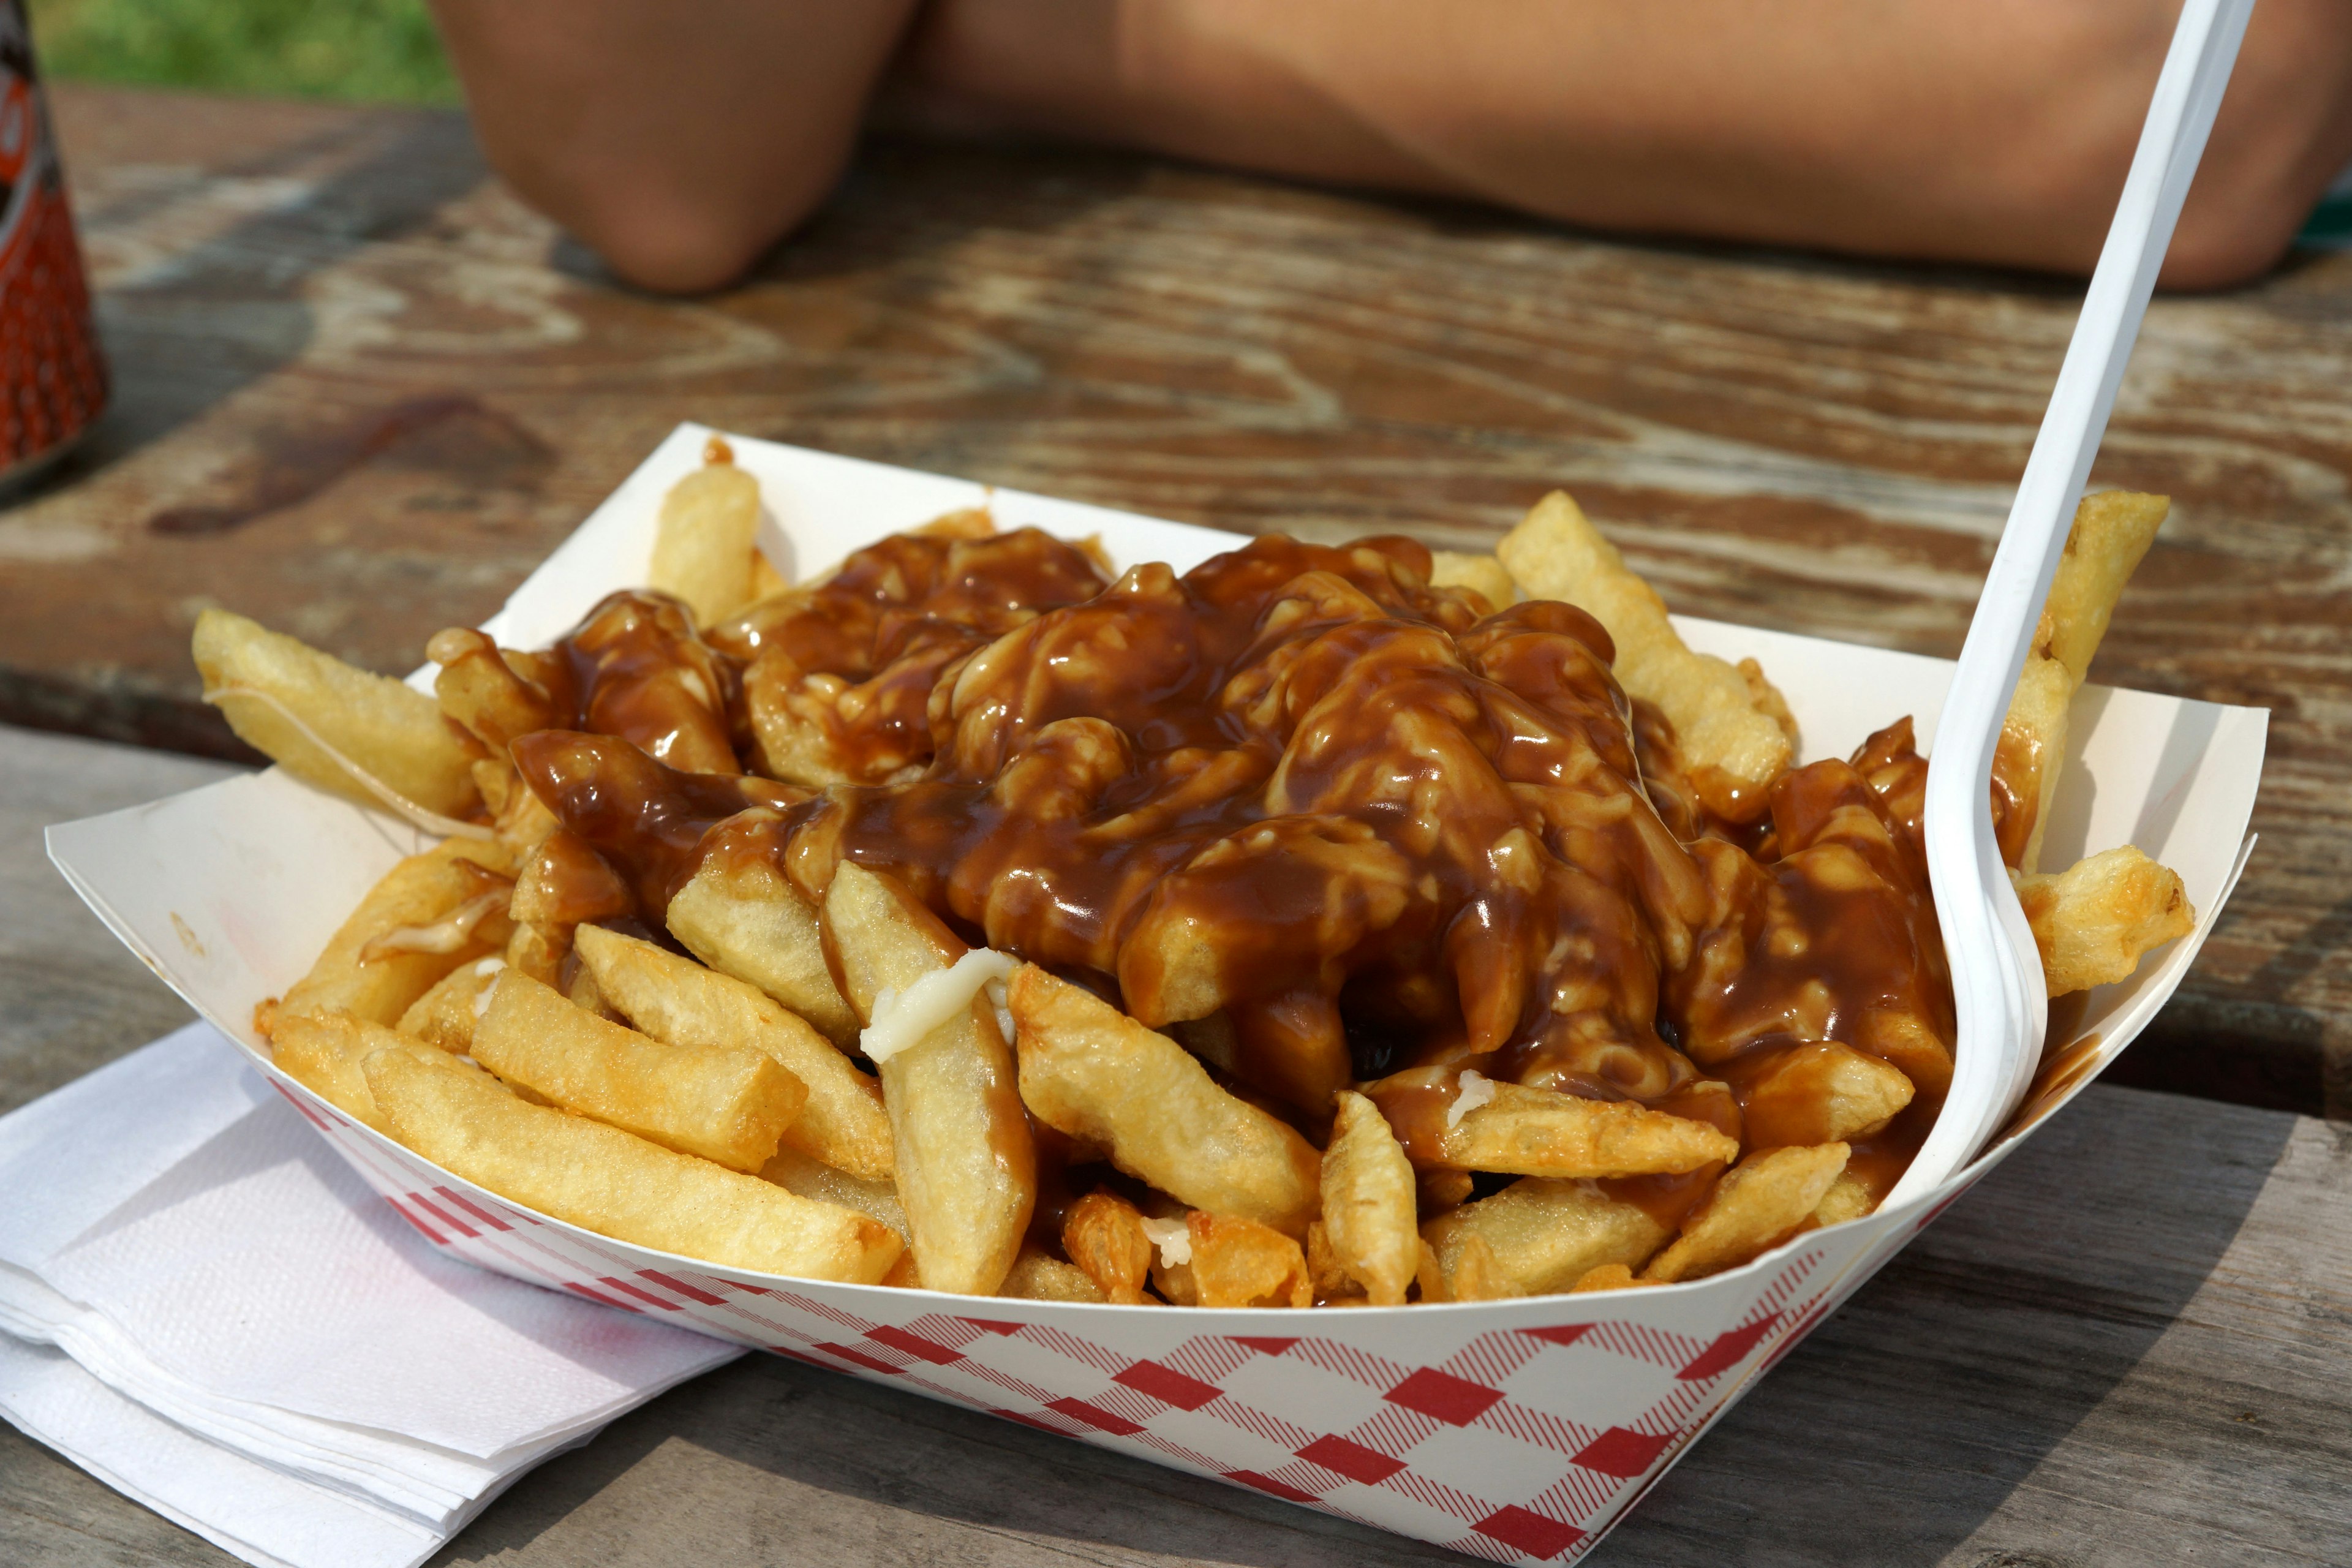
71	998
362	391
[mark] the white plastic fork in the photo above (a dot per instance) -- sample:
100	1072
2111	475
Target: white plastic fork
1996	985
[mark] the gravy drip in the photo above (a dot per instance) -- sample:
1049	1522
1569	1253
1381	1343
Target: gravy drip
840	672
1347	823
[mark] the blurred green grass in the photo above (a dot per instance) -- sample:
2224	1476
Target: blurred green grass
364	51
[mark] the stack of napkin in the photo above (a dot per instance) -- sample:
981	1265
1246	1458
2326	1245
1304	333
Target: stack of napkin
201	1305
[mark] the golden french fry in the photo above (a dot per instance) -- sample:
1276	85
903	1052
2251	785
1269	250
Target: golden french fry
1238	1262
584	993
479	688
1482	574
1608	1277
1429	1279
726	1103
1766	698
798	1173
1539	1236
1091	1071
2095	920
703	548
1175	1280
1732	741
1849	1198
431	913
445	1016
305	709
1436	1190
326	1053
1477	1275
1369	1220
1323	1267
766	581
538	950
677	1000
748	922
618	1184
1759	1204
966	1167
2031	750
1821	1093
1544	1132
1103	1234
2111	534
1038	1275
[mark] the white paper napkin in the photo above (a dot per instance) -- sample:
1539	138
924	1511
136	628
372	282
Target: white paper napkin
203	1306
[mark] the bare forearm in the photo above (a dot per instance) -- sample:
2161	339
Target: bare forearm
678	140
1995	132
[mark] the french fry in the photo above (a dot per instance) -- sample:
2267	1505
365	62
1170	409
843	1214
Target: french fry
1608	1277
1732	739
2110	536
1544	1132
1037	1276
748	922
1089	1070
1238	1262
966	1167
703	546
1759	1202
2095	920
725	1103
303	708
445	1016
1821	1093
1369	1220
327	1052
798	1173
538	950
429	914
1849	1198
2031	750
1482	574
479	688
2111	532
1439	1190
1103	1234
617	1185
1537	1237
677	1000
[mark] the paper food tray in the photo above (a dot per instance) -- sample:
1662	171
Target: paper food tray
1516	1431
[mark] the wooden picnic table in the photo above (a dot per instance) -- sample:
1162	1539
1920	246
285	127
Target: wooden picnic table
2130	1344
361	391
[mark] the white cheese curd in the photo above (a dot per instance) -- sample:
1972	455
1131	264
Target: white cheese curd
902	1018
482	998
1173	1238
1476	1090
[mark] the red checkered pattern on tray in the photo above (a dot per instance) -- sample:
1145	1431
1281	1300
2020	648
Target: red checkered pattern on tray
1421	1450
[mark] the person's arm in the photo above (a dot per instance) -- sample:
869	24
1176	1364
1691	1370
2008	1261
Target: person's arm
678	140
1993	131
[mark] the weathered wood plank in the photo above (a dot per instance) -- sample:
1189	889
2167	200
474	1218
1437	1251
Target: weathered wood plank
71	998
362	391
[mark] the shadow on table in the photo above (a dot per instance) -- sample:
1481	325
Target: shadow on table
1898	1429
183	335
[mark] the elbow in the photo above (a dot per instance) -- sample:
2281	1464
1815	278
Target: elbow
2283	133
669	242
672	228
